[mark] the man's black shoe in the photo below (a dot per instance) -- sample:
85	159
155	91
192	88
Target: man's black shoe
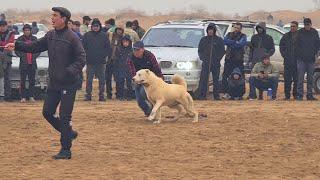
298	98
311	98
87	98
217	98
260	95
109	96
7	99
102	99
74	135
63	154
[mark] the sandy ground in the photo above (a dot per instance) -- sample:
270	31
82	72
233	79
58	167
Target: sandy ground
238	140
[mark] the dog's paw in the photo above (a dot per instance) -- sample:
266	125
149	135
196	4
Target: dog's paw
150	118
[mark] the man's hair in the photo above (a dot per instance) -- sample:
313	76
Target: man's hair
295	22
112	22
70	21
238	24
128	24
76	23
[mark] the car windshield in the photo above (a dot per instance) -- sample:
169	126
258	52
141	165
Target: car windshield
173	37
223	27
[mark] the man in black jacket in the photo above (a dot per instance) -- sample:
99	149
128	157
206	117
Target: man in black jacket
288	46
261	44
211	50
97	46
308	46
28	64
66	60
143	59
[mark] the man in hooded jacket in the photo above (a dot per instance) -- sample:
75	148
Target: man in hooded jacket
97	47
261	44
210	50
236	84
122	75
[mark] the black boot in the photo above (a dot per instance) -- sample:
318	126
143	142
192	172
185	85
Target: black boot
101	98
74	135
63	154
87	97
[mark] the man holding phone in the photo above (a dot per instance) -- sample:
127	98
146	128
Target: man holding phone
264	75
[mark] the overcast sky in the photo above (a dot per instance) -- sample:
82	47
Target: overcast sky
151	6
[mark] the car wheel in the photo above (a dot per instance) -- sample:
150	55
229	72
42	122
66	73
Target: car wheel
317	82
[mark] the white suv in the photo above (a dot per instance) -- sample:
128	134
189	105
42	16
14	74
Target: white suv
175	45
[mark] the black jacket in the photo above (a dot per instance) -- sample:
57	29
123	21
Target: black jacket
288	47
66	57
121	56
211	45
261	44
23	56
97	47
308	45
236	87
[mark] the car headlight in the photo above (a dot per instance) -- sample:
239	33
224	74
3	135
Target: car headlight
185	65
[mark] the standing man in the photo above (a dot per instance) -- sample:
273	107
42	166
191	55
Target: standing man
66	60
210	50
6	37
112	25
307	48
28	64
84	28
76	29
235	41
115	40
34	27
129	31
138	29
143	59
261	44
97	47
288	46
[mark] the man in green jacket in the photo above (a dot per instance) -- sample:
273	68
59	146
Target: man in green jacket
264	75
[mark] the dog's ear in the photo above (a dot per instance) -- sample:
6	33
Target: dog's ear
147	71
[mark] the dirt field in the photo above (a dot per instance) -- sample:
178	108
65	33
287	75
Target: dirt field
238	140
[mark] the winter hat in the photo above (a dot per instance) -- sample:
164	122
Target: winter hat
26	26
96	21
212	26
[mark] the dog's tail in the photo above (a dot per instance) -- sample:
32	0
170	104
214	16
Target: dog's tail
177	79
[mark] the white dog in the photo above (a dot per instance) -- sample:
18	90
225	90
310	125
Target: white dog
160	94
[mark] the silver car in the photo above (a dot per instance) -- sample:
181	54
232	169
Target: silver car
175	45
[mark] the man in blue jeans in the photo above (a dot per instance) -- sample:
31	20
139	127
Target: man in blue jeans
143	59
264	75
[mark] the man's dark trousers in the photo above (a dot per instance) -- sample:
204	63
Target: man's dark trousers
7	85
263	85
30	72
203	83
63	123
290	77
305	67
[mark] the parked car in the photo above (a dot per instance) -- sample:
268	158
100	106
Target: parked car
175	45
42	76
42	30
